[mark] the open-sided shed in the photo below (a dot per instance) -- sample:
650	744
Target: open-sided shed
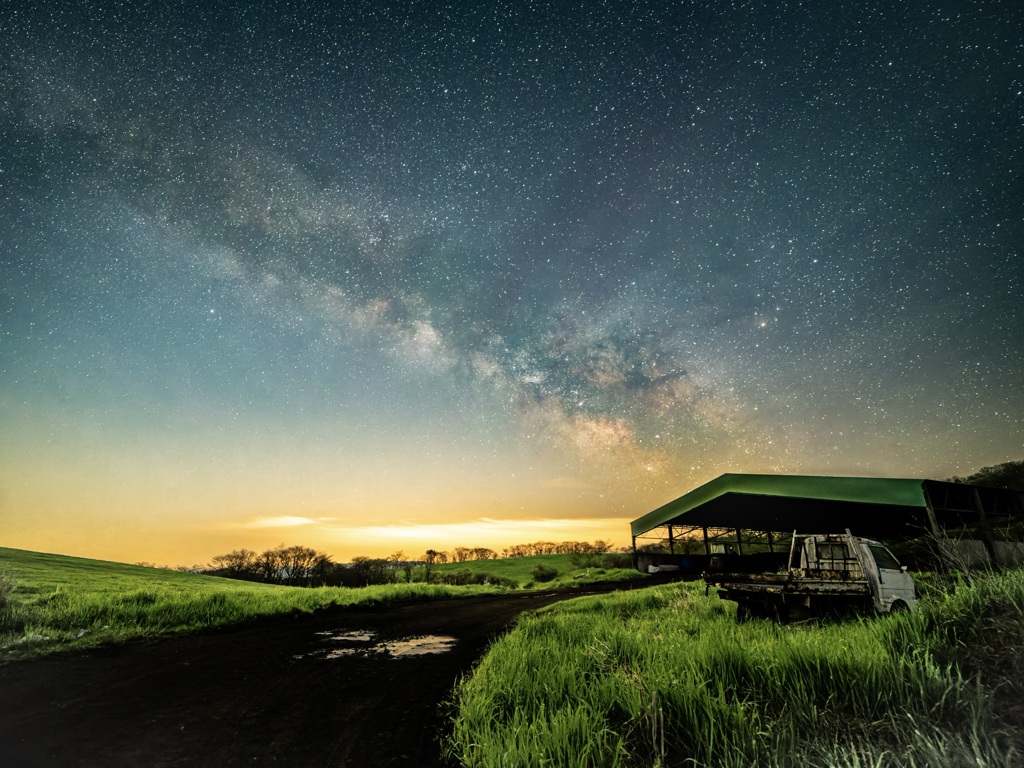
741	508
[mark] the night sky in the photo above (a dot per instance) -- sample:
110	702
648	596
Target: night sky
379	275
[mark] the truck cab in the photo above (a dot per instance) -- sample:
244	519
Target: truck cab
853	557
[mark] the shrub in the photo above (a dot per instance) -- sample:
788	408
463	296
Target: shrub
467	577
585	559
617	560
461	578
542	574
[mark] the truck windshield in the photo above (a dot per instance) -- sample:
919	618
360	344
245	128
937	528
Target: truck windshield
884	558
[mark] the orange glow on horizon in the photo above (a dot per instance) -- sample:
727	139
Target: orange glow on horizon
173	546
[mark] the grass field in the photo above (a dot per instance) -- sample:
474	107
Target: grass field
49	602
667	677
521	570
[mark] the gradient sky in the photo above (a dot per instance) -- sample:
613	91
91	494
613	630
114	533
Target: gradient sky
379	275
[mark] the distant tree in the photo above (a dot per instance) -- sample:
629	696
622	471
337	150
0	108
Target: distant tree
461	554
236	564
653	548
561	548
295	565
398	561
268	565
1009	475
301	566
364	571
429	558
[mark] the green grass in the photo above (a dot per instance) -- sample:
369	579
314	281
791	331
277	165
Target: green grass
520	570
50	602
667	677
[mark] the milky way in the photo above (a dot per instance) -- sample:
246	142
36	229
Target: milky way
610	250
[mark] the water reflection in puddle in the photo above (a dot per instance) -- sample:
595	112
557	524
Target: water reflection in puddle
417	646
358	642
355	636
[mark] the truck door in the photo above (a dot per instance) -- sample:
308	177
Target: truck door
896	585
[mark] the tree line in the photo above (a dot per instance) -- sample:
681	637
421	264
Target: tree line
1008	475
306	567
465	554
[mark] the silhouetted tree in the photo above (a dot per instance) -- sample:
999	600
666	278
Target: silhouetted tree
1009	475
364	571
299	565
296	565
236	564
398	561
429	558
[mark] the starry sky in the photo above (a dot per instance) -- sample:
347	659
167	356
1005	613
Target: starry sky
369	276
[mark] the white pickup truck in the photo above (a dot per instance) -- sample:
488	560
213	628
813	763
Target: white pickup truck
826	573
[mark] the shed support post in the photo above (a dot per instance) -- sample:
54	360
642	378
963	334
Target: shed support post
933	521
707	542
771	543
986	528
671	541
739	542
636	565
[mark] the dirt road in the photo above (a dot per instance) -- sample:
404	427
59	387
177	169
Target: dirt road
311	691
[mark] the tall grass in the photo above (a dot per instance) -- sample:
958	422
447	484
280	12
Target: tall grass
8	621
667	677
161	610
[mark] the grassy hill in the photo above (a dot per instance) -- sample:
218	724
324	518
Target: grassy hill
37	574
54	601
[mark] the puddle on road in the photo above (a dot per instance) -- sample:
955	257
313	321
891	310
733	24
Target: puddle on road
355	636
359	642
417	646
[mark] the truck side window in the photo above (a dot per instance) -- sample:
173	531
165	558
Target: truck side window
883	558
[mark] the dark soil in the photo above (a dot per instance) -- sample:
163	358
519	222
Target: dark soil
262	695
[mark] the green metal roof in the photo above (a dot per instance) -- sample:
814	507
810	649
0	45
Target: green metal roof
867	505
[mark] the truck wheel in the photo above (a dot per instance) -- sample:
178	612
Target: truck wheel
898	606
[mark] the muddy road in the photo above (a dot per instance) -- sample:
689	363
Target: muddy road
330	690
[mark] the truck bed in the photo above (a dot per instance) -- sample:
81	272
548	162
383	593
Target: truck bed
795	582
